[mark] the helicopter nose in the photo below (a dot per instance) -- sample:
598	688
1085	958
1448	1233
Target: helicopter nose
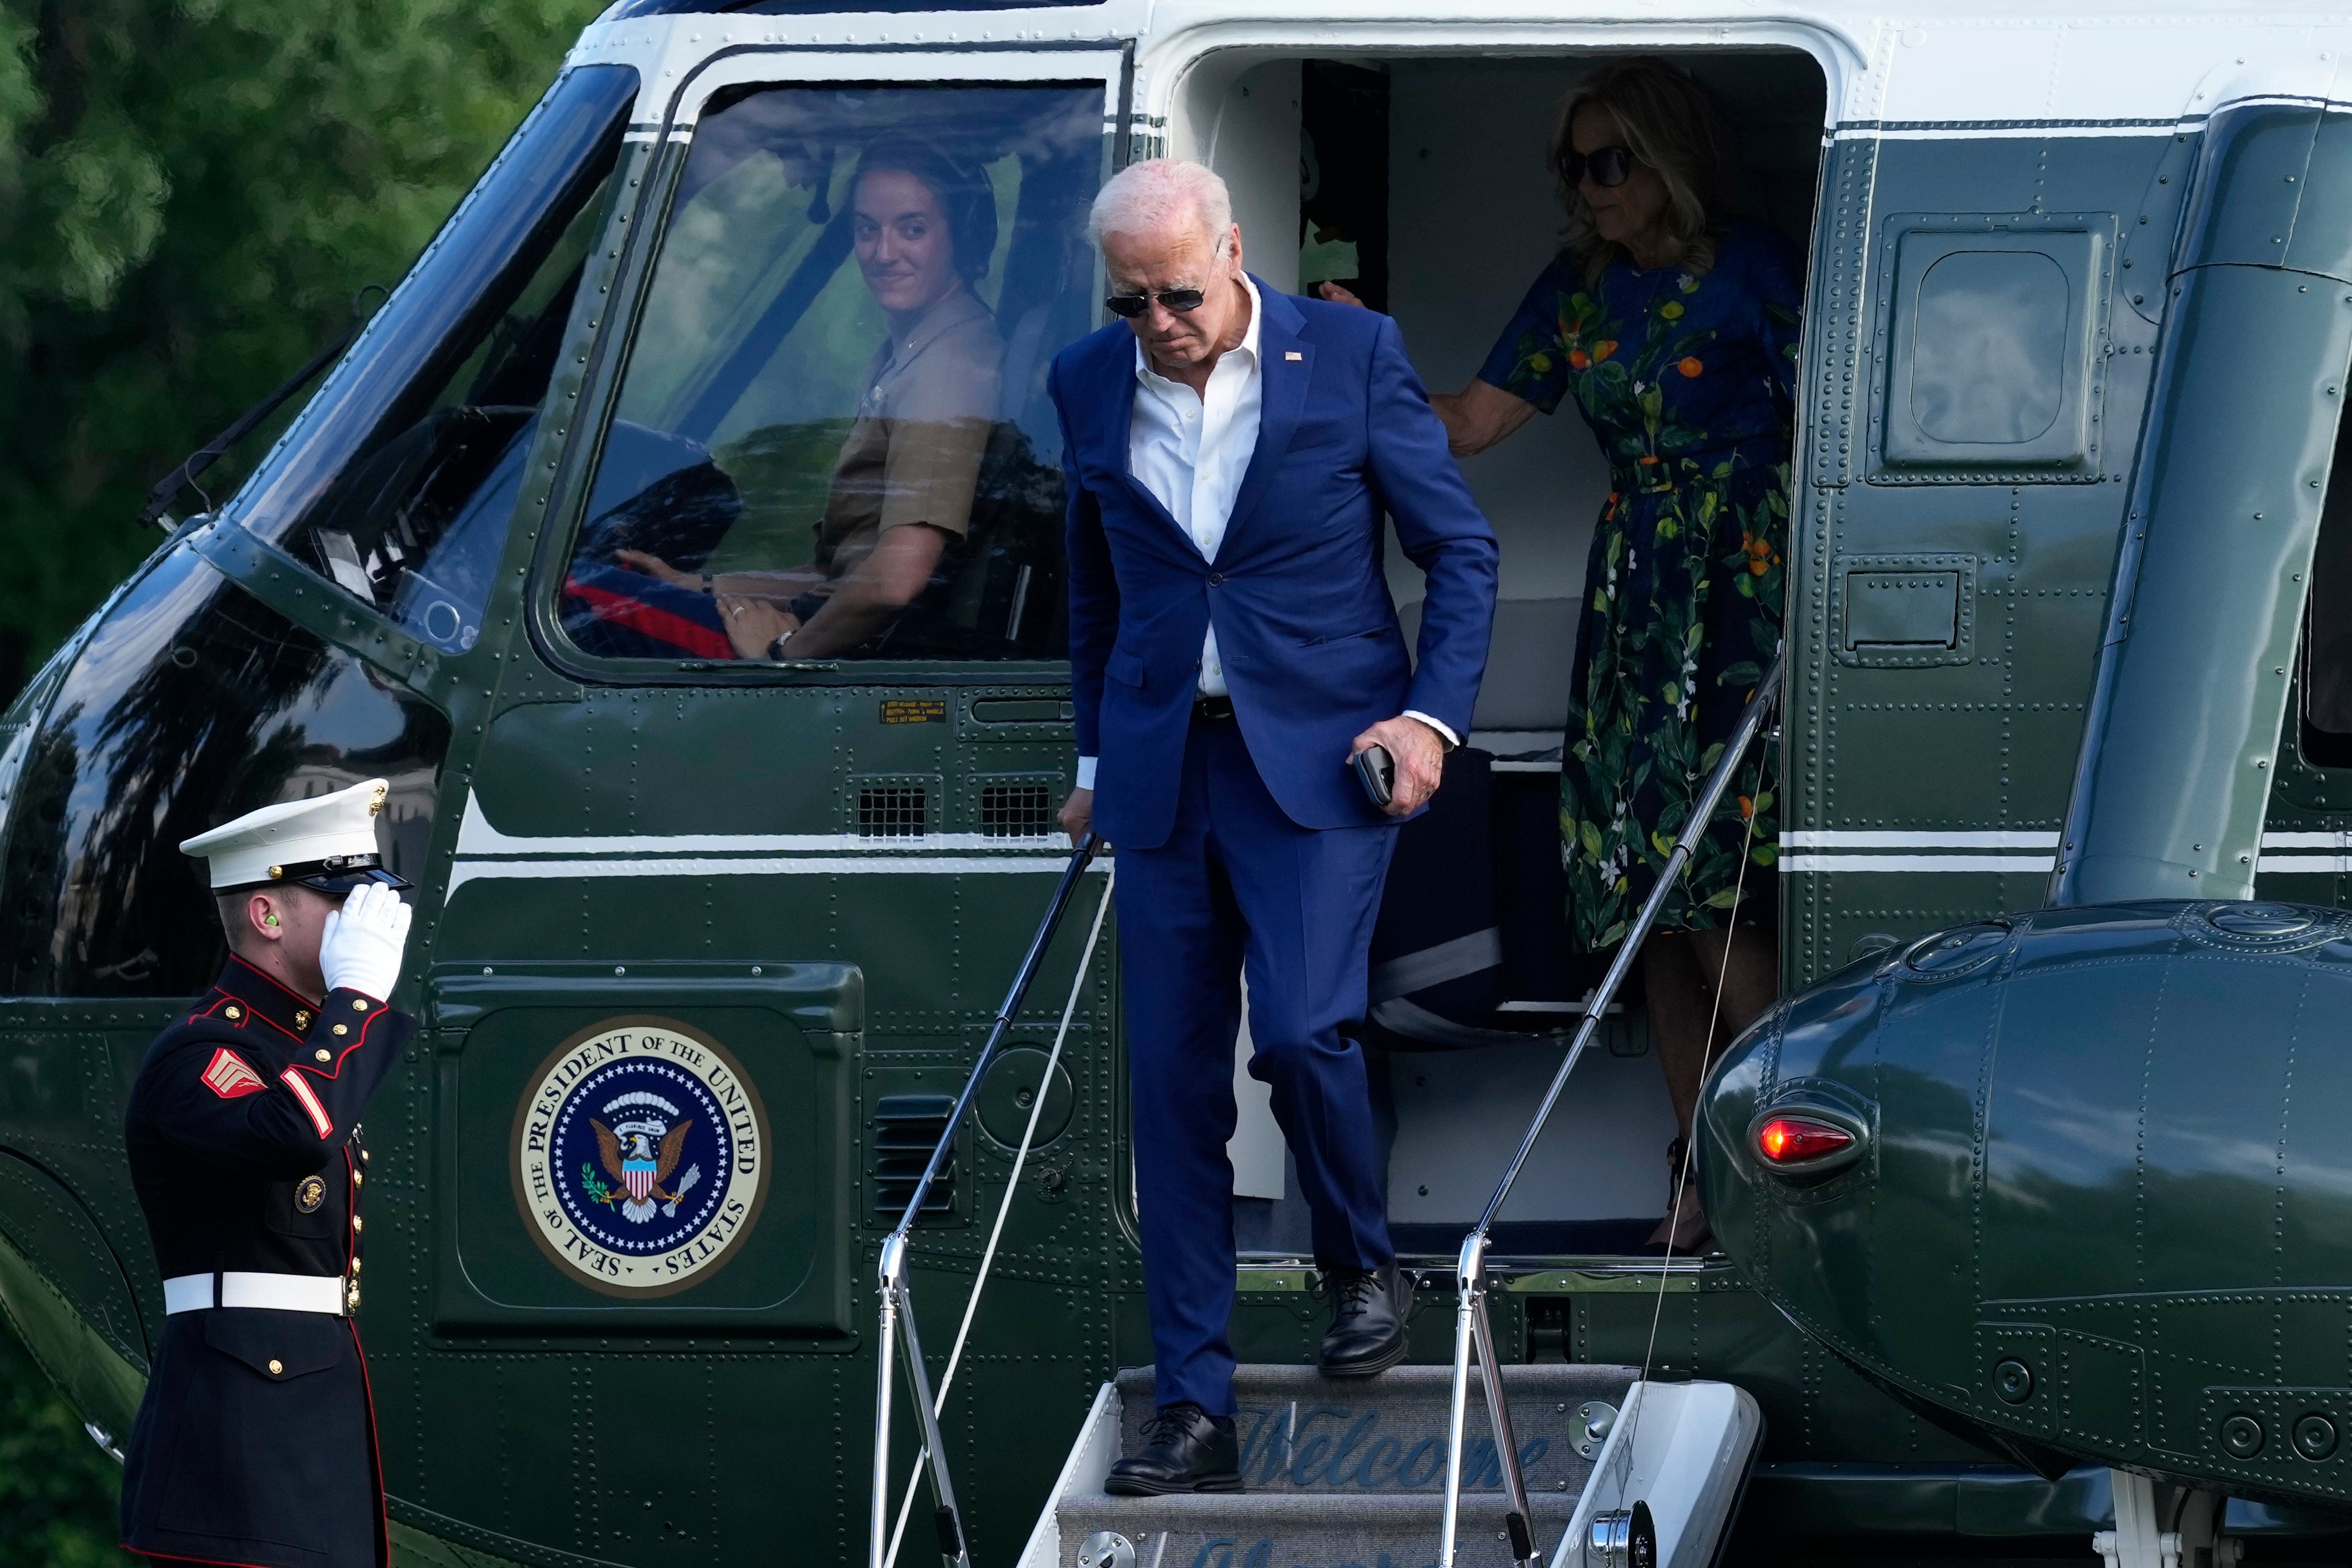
1832	1139
2030	1175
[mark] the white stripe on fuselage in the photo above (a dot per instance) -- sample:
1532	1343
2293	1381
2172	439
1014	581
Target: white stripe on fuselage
1853	839
900	864
1944	850
485	854
476	836
1998	865
1893	838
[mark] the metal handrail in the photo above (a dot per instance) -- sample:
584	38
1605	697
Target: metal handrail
1004	1204
898	1312
1471	1327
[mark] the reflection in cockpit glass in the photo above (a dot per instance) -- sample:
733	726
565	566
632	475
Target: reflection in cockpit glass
424	515
833	438
400	484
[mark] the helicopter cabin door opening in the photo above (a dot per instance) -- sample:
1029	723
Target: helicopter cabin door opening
1425	189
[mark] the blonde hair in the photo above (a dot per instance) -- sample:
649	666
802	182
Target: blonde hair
1670	126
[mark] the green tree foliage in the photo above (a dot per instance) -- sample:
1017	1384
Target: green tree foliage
57	1490
192	191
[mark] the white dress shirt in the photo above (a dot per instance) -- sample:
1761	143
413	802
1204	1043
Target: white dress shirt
1190	451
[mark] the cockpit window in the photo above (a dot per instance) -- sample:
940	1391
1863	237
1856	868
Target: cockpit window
832	439
400	484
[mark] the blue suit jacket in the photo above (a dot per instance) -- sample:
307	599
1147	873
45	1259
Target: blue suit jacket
1309	635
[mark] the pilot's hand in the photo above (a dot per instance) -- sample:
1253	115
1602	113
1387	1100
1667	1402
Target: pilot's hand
1078	814
359	944
754	624
1339	295
1419	756
654	566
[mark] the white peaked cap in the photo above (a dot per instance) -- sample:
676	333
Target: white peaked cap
265	845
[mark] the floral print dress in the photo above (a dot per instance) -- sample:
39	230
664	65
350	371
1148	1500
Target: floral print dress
1687	380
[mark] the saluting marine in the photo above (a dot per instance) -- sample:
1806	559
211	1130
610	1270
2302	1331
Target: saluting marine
256	1443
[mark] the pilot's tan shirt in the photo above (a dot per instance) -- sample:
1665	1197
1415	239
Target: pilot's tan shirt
923	421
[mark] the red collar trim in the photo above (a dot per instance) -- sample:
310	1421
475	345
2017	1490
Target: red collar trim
267	978
265	998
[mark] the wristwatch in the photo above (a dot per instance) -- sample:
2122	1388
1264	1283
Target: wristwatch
776	648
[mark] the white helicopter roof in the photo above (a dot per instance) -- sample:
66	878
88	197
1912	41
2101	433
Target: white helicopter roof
1890	65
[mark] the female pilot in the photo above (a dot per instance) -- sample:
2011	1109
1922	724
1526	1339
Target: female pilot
1676	335
923	232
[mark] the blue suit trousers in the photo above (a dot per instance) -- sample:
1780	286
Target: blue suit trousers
1238	887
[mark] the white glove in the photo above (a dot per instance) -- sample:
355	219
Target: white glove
361	947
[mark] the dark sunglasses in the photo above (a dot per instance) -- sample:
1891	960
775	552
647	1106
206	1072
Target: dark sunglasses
1608	165
1181	300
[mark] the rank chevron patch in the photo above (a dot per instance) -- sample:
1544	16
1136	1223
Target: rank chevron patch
229	1076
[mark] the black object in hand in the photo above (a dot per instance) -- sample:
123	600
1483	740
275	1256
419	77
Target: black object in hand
1376	771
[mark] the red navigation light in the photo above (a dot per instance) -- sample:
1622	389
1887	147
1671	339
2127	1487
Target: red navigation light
1793	1140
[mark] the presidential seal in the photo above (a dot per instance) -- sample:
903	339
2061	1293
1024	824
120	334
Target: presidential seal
639	1154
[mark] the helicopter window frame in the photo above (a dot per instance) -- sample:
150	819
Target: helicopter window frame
640	233
569	155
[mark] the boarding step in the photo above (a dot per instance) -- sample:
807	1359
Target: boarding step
1350	1473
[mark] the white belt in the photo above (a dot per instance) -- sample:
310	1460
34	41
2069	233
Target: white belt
278	1293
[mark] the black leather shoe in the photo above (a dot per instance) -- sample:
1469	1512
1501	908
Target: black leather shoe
1184	1449
1367	1321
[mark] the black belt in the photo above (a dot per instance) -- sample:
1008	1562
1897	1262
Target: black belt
1212	710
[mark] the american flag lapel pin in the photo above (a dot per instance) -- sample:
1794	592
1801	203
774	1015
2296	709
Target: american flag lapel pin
1292	354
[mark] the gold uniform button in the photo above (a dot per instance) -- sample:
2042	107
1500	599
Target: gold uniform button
326	1056
365	1156
275	1366
358	1176
359	1004
355	1268
339	1028
356	1223
235	1012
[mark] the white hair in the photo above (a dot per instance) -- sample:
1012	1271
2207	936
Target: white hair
1157	194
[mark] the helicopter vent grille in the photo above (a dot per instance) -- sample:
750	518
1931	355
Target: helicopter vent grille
907	1128
1015	811
893	811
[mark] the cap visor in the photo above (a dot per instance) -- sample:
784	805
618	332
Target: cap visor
343	882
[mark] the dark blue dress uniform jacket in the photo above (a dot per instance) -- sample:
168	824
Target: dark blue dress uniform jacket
256	1443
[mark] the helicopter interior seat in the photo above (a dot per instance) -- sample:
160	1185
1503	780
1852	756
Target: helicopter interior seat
998	593
1472	946
988	587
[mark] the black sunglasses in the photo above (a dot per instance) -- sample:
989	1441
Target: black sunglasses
1181	300
1608	165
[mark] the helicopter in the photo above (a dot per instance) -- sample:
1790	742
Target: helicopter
2062	736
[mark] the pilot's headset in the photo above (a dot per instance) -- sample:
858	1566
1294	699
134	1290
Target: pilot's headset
963	192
